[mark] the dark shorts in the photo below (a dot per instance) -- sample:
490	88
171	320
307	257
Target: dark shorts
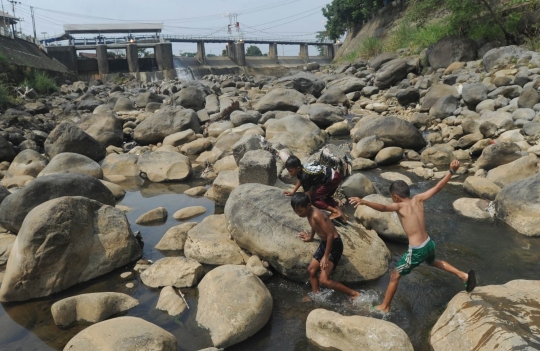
321	196
335	253
416	255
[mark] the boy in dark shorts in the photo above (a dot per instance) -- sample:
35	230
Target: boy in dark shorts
330	250
421	248
319	182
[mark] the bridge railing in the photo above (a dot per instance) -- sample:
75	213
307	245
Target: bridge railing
247	39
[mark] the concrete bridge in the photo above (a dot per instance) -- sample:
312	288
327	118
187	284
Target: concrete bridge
161	44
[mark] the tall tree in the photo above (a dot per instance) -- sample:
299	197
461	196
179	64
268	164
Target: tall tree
253	51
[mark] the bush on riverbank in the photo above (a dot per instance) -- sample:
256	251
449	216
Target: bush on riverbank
41	83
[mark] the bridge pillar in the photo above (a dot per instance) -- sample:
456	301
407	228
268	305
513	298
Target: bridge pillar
273	51
67	55
132	55
230	50
304	54
164	56
201	53
240	53
335	50
102	59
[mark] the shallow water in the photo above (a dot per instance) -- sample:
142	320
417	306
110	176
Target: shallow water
492	248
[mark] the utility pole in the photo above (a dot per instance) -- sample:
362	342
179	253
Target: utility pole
4	24
13	2
33	23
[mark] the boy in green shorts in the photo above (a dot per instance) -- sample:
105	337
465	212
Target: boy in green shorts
421	248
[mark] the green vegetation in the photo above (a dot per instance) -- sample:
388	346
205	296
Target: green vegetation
41	83
5	98
253	50
344	15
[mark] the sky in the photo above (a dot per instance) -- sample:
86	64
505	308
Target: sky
294	19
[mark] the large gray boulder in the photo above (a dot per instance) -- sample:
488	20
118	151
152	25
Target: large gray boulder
506	54
123	333
68	162
391	72
233	305
261	220
498	154
474	93
518	204
436	92
481	187
296	133
179	272
63	242
381	59
165	122
92	307
325	115
368	147
444	107
386	224
16	206
440	155
281	99
120	164
519	169
528	98
104	127
304	82
164	166
27	162
392	131
67	137
493	317
191	98
358	185
451	49
7	153
209	243
257	166
347	84
331	330
334	96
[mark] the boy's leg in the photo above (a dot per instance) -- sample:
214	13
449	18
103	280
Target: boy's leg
390	292
445	266
313	269
329	283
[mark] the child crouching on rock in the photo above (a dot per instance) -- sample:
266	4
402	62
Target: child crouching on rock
329	251
421	248
319	182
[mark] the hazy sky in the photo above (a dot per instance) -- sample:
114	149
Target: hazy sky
258	18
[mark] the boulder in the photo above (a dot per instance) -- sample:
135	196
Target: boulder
171	301
391	72
381	59
180	138
304	82
92	308
156	216
239	118
339	129
245	144
218	128
347	84
444	107
16	206
262	222
519	169
63	242
331	330
392	131
180	272
493	317
189	212
436	92
389	156
123	104
505	55
191	98
145	98
518	205
359	164
6	150
164	166
120	164
296	133
233	305
27	162
6	243
104	127
334	96
197	146
117	191
510	92
175	238
451	49
197	191
469	140
386	224
528	98
481	187
68	162
498	154
408	96
324	116
68	138
368	147
209	243
281	100
165	122
471	208
474	93
258	166
256	266
357	185
222	187
123	333
438	155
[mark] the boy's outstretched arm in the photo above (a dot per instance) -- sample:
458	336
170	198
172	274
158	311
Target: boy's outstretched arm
356	201
431	192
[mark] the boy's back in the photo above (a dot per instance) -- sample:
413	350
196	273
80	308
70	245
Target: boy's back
412	218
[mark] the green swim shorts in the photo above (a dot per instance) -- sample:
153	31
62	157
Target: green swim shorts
416	255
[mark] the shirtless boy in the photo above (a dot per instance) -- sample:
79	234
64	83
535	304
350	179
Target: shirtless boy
330	250
421	248
319	182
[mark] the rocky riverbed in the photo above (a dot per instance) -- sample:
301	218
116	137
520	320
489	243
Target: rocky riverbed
155	211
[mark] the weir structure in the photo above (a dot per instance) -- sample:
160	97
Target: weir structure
132	39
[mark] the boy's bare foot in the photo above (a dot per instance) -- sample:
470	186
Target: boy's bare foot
355	296
380	308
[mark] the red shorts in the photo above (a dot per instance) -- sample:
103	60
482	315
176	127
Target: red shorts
321	196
